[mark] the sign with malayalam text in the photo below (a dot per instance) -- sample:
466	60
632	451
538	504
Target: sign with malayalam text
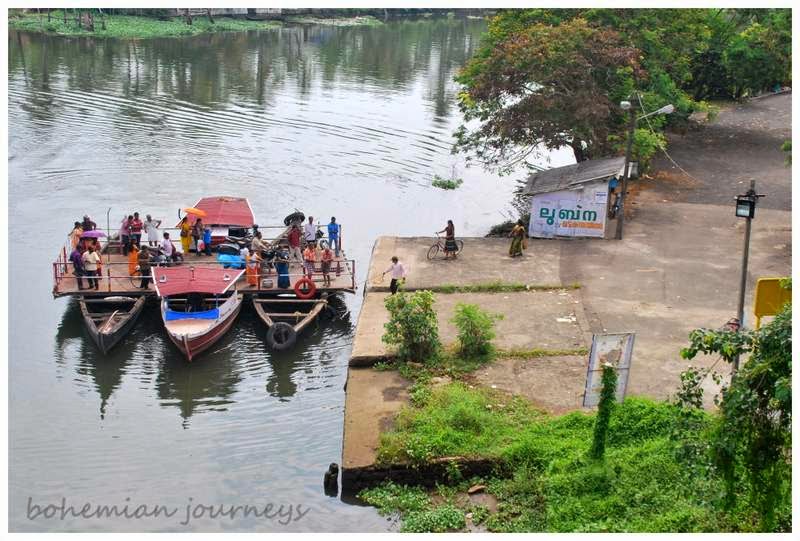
570	213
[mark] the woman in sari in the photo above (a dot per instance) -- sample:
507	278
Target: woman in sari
517	237
450	247
76	234
186	229
133	258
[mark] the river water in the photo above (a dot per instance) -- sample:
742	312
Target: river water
345	121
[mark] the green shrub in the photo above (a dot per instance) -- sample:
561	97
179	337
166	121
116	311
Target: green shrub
446	183
412	326
475	329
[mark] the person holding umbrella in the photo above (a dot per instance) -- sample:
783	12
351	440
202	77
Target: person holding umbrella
186	229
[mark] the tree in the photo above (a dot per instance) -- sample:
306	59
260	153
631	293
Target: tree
513	102
545	85
751	444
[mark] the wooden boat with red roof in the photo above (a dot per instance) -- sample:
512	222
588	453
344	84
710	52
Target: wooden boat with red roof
198	306
225	216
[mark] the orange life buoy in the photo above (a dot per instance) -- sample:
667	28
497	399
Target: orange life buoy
309	293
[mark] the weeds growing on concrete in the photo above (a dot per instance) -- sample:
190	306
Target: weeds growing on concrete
499	287
553	484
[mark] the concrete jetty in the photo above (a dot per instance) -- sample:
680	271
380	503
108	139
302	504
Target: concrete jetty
545	317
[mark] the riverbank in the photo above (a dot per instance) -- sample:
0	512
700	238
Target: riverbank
137	27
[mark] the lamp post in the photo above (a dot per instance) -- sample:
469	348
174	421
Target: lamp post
625	106
745	208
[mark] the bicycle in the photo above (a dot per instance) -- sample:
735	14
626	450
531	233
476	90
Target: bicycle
439	246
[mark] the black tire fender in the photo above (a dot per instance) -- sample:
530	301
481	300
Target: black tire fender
281	336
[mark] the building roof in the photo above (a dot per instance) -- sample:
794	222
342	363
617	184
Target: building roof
570	176
187	279
222	210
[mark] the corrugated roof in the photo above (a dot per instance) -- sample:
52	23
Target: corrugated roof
223	210
568	176
186	279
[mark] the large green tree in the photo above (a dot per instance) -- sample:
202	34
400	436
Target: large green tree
677	56
543	85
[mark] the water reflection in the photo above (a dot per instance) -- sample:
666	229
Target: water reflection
232	67
208	383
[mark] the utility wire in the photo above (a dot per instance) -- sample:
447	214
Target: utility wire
663	147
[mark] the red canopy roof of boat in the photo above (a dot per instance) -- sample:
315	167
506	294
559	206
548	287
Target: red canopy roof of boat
186	279
223	210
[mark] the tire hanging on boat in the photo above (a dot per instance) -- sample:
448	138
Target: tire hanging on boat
281	336
308	293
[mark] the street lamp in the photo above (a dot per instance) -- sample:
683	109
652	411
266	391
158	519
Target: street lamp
625	106
745	208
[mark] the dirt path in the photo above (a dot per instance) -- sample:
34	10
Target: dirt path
743	142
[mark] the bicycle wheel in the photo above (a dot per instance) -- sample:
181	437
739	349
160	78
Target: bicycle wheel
433	251
460	244
136	279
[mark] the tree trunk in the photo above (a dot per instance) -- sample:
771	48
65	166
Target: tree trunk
77	18
210	18
65	16
102	19
49	11
188	17
41	23
579	151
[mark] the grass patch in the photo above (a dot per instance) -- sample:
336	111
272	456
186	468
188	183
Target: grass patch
498	287
131	26
541	352
553	485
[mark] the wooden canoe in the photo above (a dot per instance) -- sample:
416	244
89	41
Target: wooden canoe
297	313
109	319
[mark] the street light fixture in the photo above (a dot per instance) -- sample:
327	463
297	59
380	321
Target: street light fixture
745	208
625	106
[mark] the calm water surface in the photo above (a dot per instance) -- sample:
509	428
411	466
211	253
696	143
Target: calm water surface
351	122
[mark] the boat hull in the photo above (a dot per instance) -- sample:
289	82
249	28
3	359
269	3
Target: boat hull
107	338
192	347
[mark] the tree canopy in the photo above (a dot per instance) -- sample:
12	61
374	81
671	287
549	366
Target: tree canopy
549	78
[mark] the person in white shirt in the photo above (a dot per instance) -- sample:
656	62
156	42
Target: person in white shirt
398	273
310	231
169	249
91	259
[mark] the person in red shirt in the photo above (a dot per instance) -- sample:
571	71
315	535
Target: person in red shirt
294	243
136	229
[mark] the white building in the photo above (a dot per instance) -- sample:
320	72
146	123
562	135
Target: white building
573	201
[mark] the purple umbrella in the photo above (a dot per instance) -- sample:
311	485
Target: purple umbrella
93	234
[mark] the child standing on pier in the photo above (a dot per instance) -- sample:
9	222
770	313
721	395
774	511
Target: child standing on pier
327	258
398	274
309	259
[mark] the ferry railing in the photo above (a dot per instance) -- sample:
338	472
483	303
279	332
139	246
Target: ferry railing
111	275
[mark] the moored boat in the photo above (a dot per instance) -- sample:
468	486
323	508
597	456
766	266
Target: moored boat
198	305
225	216
286	317
109	319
